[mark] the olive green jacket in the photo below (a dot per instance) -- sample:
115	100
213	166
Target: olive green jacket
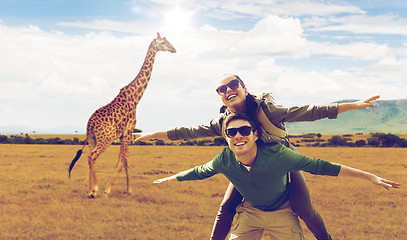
277	115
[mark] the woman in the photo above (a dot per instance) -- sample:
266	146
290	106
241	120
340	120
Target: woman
236	98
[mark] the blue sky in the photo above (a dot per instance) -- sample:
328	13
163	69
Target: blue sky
61	60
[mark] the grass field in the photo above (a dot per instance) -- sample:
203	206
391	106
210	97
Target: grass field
38	201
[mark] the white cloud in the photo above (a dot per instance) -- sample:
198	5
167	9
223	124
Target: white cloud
136	27
275	36
364	24
262	8
353	51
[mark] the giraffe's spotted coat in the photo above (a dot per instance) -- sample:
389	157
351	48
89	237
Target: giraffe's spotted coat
117	119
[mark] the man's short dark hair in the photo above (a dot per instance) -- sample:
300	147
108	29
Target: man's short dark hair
240	116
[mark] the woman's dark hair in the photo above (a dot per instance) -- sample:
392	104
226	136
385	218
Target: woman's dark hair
250	100
240	80
251	110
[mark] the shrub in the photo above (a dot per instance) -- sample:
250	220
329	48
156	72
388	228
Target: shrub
4	139
373	141
188	143
338	141
203	142
141	143
360	143
159	142
220	141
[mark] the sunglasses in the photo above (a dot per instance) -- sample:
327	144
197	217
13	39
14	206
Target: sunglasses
244	131
233	84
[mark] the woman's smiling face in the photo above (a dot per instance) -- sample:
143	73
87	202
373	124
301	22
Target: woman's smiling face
233	98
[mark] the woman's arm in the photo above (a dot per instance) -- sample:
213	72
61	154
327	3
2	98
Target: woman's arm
212	129
280	114
353	172
151	136
344	107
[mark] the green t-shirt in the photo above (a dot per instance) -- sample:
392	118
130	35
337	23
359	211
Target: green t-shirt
265	185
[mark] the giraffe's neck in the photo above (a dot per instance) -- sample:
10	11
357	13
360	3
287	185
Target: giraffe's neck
137	87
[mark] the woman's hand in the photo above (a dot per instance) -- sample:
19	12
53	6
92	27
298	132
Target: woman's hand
365	103
142	137
361	104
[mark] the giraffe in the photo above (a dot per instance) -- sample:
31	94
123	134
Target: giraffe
117	120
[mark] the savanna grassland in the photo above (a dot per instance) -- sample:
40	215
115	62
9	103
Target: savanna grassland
38	201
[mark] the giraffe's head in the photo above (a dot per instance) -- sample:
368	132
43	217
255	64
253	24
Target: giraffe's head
162	44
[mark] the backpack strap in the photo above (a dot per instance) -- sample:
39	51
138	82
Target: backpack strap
268	126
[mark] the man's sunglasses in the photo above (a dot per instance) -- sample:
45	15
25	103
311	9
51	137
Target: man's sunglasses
244	131
233	84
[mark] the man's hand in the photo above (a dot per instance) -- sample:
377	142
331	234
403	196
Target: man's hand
161	180
387	184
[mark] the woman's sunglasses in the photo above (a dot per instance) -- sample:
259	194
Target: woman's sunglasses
244	131
233	84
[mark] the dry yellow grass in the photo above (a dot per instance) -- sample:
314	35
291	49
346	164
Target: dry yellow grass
38	201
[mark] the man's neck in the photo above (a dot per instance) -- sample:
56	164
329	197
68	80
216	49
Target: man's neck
249	158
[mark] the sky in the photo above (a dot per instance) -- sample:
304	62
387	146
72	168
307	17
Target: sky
60	60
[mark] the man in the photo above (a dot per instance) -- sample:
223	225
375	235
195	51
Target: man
259	173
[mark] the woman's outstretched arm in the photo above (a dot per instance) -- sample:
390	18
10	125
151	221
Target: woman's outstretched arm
151	136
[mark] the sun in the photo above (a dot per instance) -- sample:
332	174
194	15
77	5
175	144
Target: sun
177	20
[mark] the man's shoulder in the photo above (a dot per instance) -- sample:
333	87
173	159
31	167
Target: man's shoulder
225	155
224	159
271	147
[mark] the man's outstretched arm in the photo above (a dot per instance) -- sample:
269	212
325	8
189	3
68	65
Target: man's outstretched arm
353	172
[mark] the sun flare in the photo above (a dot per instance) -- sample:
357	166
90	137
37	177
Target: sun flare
177	20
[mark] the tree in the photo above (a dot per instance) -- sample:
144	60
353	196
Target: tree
338	141
160	142
360	143
220	141
389	140
373	141
4	139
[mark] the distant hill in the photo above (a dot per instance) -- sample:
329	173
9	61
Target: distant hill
388	116
22	129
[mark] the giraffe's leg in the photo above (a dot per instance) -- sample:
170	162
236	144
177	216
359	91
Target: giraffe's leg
126	152
118	170
126	167
122	163
93	183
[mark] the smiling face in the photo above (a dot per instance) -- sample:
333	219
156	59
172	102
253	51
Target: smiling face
233	99
242	146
